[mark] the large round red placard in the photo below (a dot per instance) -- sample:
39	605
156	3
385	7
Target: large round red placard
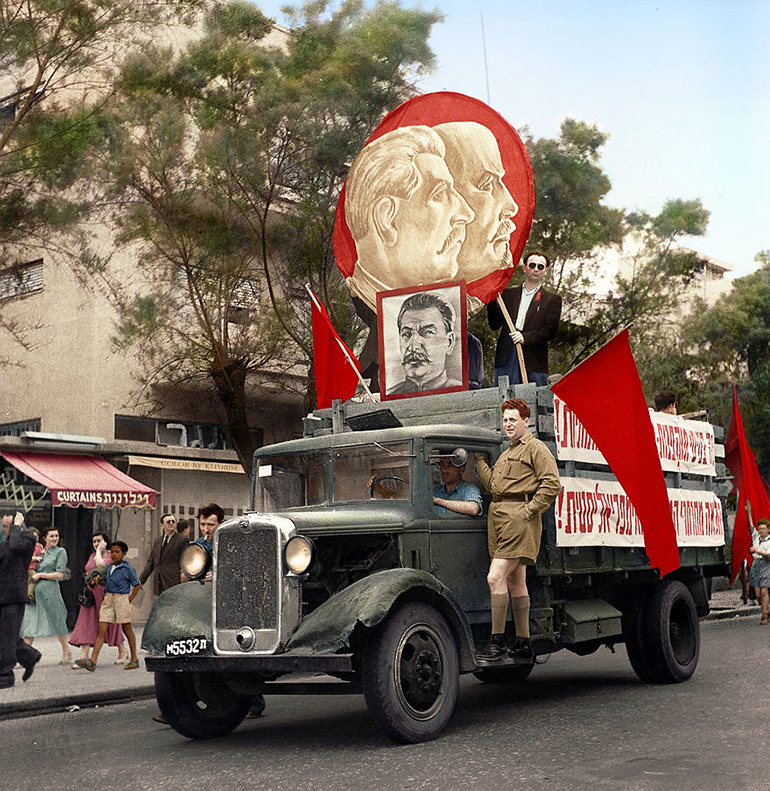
479	186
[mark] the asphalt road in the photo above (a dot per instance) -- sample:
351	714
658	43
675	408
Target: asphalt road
577	723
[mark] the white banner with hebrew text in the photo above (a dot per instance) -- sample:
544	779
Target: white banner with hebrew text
683	445
598	513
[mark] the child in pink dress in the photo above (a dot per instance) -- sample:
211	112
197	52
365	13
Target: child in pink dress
87	624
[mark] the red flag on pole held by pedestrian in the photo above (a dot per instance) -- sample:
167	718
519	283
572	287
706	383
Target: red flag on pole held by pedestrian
606	395
333	362
752	491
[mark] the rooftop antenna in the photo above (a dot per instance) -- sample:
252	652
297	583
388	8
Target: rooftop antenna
484	46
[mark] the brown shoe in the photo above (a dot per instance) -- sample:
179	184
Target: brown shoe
161	719
495	649
763	620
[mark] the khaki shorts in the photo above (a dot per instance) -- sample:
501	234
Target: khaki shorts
511	535
116	608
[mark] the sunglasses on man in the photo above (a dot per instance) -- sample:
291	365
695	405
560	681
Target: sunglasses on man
534	265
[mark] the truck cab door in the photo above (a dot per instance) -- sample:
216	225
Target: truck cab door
458	543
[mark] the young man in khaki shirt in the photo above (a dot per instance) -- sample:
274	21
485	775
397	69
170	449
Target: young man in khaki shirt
524	482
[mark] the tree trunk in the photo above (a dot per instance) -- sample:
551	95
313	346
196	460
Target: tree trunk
230	381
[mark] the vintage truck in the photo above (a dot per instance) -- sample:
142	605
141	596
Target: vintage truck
343	578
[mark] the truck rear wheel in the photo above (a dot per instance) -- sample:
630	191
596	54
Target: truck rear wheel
199	705
411	673
663	637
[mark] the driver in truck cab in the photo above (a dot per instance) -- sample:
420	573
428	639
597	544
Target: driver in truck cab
524	482
455	494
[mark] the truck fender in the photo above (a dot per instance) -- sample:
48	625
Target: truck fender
367	602
179	612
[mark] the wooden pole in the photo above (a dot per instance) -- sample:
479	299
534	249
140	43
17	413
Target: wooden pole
512	328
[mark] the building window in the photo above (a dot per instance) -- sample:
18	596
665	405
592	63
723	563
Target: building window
21	280
137	429
15	429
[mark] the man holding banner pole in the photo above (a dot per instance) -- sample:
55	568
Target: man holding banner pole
532	316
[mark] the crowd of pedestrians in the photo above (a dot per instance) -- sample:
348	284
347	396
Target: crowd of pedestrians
32	568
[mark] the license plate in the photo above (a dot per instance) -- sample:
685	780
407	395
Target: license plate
187	647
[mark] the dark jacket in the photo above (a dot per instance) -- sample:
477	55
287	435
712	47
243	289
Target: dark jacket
540	326
15	556
164	562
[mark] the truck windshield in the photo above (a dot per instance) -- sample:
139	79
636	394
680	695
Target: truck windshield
290	481
372	472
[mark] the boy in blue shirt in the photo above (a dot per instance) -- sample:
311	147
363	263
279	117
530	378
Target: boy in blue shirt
120	588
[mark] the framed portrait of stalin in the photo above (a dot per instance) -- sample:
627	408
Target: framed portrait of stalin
423	340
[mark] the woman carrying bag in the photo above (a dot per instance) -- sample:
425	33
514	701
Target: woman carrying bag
87	624
47	617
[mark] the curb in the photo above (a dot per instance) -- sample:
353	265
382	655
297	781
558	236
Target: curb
33	708
733	612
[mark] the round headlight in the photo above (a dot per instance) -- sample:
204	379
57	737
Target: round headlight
195	561
298	554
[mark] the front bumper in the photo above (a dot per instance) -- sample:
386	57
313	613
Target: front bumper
274	663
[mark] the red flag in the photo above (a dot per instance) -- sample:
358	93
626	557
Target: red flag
752	490
605	393
733	451
335	376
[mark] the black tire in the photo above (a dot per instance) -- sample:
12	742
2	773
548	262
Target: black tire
663	636
634	628
199	705
411	675
673	631
504	675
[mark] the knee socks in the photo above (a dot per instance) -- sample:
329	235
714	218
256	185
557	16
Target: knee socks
520	608
499	611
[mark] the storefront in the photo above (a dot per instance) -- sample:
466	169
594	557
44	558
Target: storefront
77	494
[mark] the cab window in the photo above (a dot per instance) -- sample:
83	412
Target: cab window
372	472
443	483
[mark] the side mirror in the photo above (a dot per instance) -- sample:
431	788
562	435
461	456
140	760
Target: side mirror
459	457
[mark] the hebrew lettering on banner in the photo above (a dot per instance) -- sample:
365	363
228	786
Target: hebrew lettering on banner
683	445
598	513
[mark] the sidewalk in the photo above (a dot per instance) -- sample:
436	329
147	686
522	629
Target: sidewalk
54	687
728	604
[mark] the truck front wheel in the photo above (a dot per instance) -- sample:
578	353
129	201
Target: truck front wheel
411	673
199	705
663	638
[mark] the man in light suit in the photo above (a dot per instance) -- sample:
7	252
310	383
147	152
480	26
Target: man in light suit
535	313
164	556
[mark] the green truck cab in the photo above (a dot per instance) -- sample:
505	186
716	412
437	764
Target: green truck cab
343	567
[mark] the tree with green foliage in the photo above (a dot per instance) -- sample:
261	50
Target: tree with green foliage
56	61
571	220
582	234
225	163
730	344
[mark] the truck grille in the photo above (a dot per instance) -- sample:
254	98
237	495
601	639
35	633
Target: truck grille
247	587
